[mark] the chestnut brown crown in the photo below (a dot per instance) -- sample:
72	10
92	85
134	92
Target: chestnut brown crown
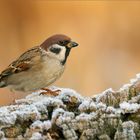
59	39
55	39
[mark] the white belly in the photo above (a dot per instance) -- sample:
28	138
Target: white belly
40	76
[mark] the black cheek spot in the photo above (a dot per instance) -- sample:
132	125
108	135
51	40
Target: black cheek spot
55	50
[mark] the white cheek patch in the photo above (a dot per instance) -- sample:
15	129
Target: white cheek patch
61	55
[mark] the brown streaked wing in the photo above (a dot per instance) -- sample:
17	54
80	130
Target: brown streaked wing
23	63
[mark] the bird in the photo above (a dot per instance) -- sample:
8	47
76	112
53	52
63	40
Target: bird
38	67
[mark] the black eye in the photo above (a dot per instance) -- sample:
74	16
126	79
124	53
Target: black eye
55	50
63	43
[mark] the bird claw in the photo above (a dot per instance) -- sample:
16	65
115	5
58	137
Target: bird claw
50	92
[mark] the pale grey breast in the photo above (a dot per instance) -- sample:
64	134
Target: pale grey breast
39	76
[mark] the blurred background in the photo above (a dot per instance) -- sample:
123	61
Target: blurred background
108	33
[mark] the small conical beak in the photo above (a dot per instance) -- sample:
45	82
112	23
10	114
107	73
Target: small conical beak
72	44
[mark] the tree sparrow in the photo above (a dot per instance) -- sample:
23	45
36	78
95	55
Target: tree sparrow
39	66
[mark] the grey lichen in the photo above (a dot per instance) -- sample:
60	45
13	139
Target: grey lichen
111	115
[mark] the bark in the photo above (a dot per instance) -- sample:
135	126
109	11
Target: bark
111	115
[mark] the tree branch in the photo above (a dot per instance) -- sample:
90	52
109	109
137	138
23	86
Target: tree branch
111	115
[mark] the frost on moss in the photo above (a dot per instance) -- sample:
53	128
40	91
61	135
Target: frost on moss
111	115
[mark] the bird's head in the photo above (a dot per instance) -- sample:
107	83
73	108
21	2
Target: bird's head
58	47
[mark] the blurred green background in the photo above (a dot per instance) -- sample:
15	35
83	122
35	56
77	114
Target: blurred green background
108	33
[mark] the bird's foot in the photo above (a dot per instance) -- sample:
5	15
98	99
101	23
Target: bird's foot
50	92
13	102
